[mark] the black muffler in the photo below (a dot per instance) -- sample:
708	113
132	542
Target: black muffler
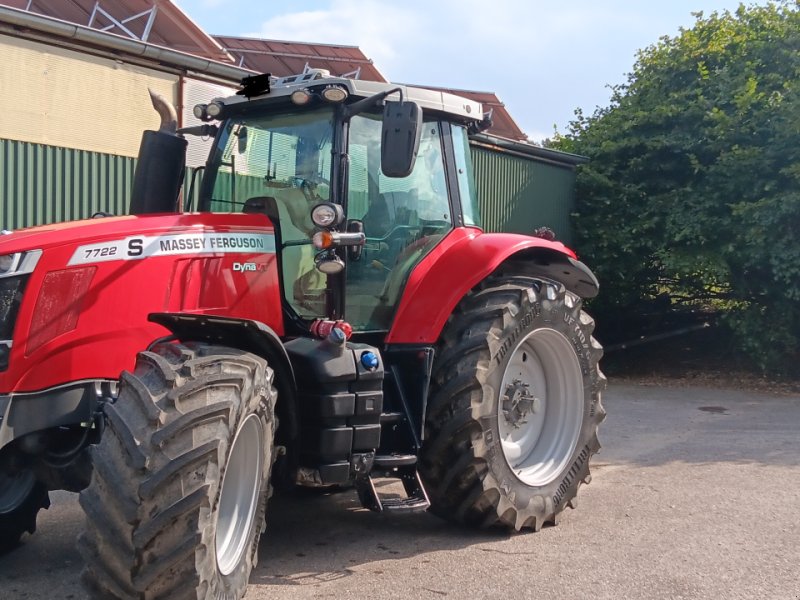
160	168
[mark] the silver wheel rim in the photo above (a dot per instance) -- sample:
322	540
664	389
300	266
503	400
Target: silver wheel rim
239	494
540	412
14	489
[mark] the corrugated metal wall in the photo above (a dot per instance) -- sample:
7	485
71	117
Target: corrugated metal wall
518	195
45	184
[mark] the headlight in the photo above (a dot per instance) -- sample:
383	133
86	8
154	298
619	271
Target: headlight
214	109
327	215
200	111
19	263
330	264
301	97
335	94
7	263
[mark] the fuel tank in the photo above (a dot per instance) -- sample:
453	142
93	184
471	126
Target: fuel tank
78	308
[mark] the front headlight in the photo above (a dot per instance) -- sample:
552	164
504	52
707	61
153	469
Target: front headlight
327	215
8	262
19	263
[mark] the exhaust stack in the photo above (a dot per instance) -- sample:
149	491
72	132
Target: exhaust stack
159	171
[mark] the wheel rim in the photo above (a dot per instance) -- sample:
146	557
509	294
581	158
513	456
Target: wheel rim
239	495
14	489
540	411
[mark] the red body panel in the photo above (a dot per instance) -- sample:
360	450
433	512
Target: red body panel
84	311
458	263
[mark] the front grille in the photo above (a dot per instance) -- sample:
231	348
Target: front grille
13	280
11	290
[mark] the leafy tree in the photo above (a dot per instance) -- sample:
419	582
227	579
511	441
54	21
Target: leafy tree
692	194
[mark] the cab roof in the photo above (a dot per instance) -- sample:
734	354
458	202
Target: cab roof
432	100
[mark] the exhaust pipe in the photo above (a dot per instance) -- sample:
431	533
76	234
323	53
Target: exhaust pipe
159	171
165	110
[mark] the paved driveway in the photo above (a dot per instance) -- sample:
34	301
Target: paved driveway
695	495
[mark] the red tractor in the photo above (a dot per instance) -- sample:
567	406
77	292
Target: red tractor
330	312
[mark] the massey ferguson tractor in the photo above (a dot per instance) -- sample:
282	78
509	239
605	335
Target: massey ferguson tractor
321	309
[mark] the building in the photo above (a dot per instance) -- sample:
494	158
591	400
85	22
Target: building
75	75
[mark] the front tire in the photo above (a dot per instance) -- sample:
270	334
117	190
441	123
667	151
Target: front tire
177	501
21	499
514	406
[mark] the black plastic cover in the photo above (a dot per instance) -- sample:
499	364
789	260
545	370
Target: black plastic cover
340	400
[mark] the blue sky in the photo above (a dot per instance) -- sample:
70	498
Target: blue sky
543	59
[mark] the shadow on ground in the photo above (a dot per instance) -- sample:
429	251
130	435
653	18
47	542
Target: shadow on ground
316	537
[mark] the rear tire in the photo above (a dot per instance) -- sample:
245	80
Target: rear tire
21	499
177	501
514	406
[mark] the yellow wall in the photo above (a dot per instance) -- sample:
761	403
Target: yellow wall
59	97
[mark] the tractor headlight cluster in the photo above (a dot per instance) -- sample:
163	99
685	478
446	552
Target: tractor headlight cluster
206	112
327	217
335	94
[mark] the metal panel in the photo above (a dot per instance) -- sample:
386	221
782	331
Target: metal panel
45	184
517	194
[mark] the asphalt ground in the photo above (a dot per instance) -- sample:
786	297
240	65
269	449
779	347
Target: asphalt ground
696	494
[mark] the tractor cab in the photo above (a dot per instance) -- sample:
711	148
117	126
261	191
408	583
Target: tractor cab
361	181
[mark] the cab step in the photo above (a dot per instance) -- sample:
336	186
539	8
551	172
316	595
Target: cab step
416	499
393	461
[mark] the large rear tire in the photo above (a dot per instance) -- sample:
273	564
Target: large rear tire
177	501
21	499
514	406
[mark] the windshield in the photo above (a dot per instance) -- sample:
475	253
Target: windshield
281	160
280	164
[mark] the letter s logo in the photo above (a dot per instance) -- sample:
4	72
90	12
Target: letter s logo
135	247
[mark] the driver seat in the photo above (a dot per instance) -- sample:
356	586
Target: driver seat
265	205
376	219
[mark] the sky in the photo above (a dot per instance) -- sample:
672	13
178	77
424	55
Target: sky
543	59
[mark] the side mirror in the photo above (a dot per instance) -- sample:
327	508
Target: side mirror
402	128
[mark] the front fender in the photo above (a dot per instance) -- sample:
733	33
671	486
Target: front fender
250	336
465	258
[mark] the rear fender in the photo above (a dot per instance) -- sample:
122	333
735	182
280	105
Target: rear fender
247	335
465	258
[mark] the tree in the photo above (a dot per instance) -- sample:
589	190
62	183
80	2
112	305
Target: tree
692	193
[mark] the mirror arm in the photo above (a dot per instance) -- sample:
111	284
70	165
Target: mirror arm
358	107
209	130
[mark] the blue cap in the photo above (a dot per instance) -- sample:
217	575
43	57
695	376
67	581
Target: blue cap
337	336
370	360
